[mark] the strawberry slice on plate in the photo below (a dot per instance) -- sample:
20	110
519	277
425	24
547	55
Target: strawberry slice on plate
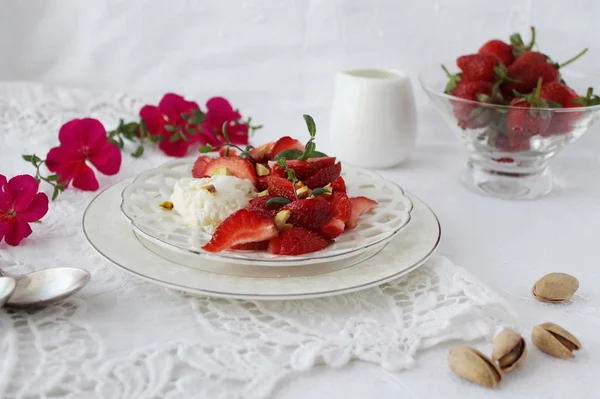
310	213
259	205
252	246
297	241
341	209
241	227
262	152
304	169
324	176
280	187
360	205
286	143
199	168
339	184
238	167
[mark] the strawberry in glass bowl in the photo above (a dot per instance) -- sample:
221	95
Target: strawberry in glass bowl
514	108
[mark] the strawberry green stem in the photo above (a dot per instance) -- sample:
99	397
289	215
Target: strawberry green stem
538	89
567	62
589	93
532	41
447	71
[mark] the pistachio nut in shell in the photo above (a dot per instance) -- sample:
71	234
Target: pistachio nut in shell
555	287
554	340
473	366
509	350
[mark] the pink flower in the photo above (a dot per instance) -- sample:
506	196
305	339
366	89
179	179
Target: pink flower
219	111
20	204
167	120
83	140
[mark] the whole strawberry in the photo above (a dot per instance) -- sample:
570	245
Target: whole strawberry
502	50
471	115
524	120
525	71
563	95
485	67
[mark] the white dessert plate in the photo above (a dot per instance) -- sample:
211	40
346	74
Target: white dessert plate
140	200
110	234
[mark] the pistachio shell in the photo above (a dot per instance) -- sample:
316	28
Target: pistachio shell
554	340
473	366
509	350
555	287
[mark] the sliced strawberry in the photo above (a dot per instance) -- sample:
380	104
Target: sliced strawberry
232	153
238	167
252	246
332	229
261	183
319	163
285	143
310	213
341	206
360	205
259	205
199	168
339	184
262	152
241	227
324	176
280	187
297	241
301	168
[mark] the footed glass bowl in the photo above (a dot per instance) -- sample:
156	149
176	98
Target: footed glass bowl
508	159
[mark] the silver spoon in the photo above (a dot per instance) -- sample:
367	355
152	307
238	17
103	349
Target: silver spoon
47	286
7	286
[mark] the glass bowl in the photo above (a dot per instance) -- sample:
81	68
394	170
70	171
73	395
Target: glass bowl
501	162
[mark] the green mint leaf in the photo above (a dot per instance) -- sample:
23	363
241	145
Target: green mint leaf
281	162
308	151
55	193
319	154
224	131
139	151
170	128
28	158
249	147
310	125
53	177
206	149
291	174
320	191
291	153
274	202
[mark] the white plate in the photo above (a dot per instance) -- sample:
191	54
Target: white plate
111	235
140	199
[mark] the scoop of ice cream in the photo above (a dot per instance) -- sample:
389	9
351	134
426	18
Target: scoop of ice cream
205	203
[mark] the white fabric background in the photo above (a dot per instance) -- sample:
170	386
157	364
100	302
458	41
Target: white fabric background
276	59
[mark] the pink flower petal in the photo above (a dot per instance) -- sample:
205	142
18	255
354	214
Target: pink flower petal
16	231
36	210
85	179
5	197
107	159
93	132
69	136
3	228
22	189
238	134
153	119
62	159
176	149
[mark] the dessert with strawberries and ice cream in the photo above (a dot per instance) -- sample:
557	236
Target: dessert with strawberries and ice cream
283	197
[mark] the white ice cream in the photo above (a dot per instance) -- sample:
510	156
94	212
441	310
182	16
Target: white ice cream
205	210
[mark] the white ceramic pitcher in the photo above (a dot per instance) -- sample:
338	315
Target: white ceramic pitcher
373	120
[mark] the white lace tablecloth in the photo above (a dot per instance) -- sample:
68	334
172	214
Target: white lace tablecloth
121	337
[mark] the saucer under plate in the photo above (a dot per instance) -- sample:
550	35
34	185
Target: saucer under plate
112	236
140	199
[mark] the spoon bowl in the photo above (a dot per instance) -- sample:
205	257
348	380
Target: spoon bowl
7	286
47	286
